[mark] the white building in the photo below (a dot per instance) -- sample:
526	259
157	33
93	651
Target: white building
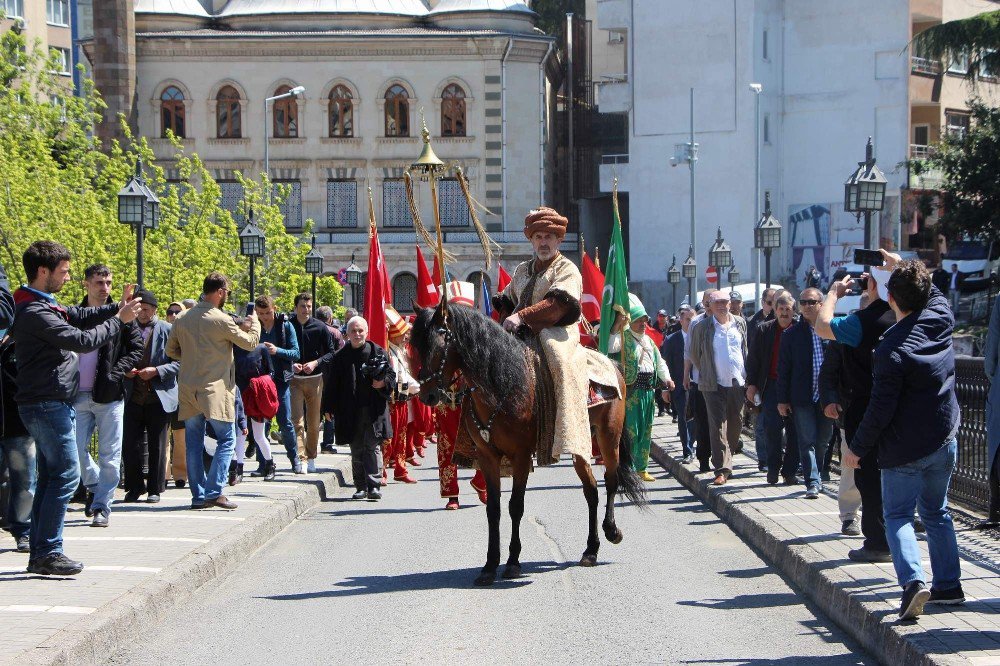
833	74
476	68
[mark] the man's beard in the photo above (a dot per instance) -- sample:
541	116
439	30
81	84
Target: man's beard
54	285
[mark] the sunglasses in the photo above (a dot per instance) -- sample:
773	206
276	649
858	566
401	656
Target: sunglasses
809	301
173	312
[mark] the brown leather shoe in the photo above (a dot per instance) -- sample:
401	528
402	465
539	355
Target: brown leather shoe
221	502
720	480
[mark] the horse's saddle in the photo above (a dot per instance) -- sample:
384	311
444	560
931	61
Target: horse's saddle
603	378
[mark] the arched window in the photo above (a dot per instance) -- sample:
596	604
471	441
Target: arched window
404	292
397	111
228	121
286	115
453	111
341	112
172	112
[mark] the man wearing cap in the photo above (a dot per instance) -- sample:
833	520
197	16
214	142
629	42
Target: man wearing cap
150	401
736	303
543	299
642	367
405	388
719	350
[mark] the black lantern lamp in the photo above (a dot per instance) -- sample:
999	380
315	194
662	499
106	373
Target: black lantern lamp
138	207
314	266
720	254
353	279
252	243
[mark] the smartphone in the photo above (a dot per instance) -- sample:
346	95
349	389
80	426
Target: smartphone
861	282
868	258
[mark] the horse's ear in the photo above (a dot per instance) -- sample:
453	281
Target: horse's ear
413	306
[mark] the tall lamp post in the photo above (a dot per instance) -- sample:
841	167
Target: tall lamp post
734	277
767	236
864	191
689	269
673	277
294	92
252	244
139	208
720	255
756	89
688	154
354	279
314	266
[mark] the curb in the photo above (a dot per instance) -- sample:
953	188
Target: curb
889	642
95	638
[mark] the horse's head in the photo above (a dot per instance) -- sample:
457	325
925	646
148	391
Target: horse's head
436	353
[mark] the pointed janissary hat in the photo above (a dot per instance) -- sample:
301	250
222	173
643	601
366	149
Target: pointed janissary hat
545	219
636	309
461	293
395	322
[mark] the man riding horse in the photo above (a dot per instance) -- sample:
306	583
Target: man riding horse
543	299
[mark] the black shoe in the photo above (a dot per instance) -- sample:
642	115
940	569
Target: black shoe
360	495
153	499
131	497
55	564
761	467
23	545
850	527
232	473
867	555
791	480
328	449
915	595
179	483
101	518
687	459
88	505
702	468
250	451
772	477
259	472
269	470
374	495
947	597
918	526
197	505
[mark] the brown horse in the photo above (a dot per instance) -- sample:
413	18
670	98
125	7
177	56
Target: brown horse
498	412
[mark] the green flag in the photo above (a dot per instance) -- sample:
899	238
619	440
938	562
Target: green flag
614	299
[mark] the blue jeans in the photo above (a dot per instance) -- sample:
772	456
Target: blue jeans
787	458
52	424
101	477
207	485
922	484
19	454
285	427
679	399
813	430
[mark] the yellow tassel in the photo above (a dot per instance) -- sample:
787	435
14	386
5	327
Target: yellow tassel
484	238
418	223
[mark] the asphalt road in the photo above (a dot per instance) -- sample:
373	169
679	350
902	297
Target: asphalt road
356	582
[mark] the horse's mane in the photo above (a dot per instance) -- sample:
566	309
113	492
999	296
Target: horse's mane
495	358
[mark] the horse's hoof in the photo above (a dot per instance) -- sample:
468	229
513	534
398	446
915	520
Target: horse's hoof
588	560
614	537
512	571
485	579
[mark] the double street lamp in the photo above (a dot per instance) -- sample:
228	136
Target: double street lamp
767	236
252	243
138	207
314	266
354	279
673	277
864	191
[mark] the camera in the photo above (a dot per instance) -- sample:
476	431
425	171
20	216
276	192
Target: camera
859	285
375	368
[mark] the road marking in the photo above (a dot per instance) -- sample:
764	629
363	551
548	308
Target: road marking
179	516
126	569
69	610
134	538
802	513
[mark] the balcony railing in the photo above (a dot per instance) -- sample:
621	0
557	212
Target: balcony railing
920	152
920	65
620	158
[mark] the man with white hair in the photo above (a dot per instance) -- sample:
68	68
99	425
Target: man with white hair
357	385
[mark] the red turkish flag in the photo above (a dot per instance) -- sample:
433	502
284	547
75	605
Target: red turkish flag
427	296
654	335
593	289
503	279
377	291
436	276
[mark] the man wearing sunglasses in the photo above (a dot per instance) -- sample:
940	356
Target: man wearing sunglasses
800	359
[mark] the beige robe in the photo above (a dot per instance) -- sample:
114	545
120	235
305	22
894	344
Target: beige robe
565	356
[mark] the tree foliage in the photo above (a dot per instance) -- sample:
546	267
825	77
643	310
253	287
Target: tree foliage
56	184
970	199
552	14
978	36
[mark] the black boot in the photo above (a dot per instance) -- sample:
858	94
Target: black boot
239	473
232	473
269	470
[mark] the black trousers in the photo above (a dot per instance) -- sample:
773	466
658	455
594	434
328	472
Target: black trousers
703	451
366	456
995	488
868	479
145	427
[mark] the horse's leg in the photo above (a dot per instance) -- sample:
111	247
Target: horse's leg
522	466
609	423
489	463
582	466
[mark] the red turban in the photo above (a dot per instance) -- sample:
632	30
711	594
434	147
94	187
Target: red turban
545	219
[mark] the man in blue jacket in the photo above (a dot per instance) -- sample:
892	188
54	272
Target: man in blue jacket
913	419
800	359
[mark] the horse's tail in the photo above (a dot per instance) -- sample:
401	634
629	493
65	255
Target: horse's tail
629	483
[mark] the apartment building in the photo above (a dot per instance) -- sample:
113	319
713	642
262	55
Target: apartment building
47	23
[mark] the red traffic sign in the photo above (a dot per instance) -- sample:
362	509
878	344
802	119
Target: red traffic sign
711	276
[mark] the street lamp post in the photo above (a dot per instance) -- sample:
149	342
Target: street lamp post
314	266
673	277
689	269
294	92
720	255
756	89
139	208
734	277
864	191
688	153
354	279
767	236
252	244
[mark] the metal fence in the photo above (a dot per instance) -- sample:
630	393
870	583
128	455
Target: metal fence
970	481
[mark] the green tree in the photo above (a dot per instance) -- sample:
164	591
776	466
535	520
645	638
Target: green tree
552	14
978	36
970	197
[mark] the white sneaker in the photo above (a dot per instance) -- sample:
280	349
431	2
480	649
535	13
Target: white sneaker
300	467
311	466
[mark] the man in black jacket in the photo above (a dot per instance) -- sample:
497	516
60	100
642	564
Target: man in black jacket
762	390
672	352
912	419
315	353
357	385
48	339
100	404
834	394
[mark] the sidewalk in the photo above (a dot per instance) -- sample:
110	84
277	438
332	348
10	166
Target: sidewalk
801	538
150	557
